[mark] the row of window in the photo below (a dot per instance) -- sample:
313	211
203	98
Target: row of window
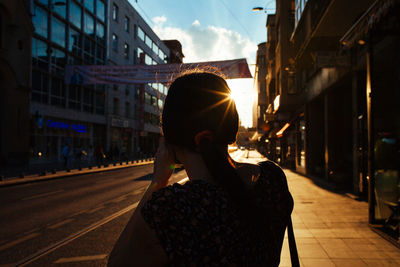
151	44
95	7
151	118
51	90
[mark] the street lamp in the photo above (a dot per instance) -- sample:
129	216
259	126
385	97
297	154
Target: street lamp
265	9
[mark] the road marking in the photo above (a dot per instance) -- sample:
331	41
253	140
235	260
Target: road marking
54	226
95	209
17	241
43	195
82	258
78	234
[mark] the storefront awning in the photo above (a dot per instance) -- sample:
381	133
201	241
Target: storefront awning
279	134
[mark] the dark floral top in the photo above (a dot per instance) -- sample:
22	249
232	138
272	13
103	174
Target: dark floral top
197	224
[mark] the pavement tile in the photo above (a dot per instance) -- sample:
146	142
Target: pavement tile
302	233
313	251
317	263
346	233
381	263
369	254
349	263
337	248
322	232
393	254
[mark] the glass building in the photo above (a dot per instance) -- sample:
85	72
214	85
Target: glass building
66	32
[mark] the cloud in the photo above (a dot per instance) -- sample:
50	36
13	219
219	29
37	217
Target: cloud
159	19
208	43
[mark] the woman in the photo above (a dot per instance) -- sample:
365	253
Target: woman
228	213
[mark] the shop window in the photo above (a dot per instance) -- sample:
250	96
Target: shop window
40	21
101	10
75	14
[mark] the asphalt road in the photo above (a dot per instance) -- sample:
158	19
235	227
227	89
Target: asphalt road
72	221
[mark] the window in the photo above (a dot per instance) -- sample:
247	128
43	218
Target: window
147	98
149	42
40	21
160	104
141	34
75	42
58	32
126	50
100	32
140	55
89	4
88	99
161	54
116	106
115	42
100	99
57	92
40	87
74	97
148	60
58	61
115	12
155	48
60	9
100	10
39	54
126	24
100	53
75	14
127	110
89	24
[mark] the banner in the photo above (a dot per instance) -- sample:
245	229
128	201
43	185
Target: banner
163	73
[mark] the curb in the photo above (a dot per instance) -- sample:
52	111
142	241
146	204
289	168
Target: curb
49	175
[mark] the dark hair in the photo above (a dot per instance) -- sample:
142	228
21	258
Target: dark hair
197	102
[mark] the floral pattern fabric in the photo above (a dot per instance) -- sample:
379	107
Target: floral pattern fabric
197	224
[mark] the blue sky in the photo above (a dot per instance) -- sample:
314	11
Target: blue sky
213	30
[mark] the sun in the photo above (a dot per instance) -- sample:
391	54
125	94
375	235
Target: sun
244	96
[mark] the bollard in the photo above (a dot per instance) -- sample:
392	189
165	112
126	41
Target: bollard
121	163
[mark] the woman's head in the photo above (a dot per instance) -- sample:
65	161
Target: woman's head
198	102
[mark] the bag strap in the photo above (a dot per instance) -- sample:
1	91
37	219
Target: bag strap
294	257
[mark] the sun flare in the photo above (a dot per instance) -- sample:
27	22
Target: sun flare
244	96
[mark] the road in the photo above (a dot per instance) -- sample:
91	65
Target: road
72	221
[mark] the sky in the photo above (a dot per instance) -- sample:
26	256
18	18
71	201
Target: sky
212	30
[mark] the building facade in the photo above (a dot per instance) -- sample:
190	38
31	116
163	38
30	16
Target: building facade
133	112
15	46
66	32
337	92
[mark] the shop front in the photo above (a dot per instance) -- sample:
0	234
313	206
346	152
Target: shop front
50	135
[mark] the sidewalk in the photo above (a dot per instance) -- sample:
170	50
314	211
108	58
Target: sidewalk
331	229
44	174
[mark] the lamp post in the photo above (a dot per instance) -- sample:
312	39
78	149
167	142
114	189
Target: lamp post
265	9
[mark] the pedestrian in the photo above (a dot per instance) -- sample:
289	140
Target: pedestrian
90	153
226	214
65	154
